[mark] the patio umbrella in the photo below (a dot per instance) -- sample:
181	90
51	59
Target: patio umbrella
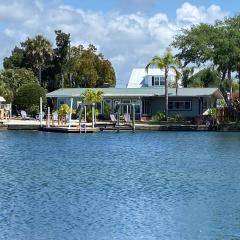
2	99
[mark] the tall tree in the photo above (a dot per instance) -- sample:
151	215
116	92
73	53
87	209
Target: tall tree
15	78
218	44
38	51
90	68
62	53
187	73
207	77
166	62
16	60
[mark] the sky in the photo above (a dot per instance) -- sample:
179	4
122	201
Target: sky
128	32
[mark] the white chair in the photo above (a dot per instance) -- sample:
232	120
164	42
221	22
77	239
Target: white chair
127	118
113	118
38	116
24	115
55	116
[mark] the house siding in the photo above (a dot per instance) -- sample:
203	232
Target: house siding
158	105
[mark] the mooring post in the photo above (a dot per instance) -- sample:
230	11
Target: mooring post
48	118
41	102
118	115
80	116
70	114
93	114
133	117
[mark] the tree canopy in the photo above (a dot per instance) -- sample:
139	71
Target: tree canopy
28	97
63	66
217	45
92	96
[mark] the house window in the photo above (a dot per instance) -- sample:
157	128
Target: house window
162	81
146	107
126	108
137	105
180	105
158	81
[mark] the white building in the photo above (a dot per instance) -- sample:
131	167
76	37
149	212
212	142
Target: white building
153	78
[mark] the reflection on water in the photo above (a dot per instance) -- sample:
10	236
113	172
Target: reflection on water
161	185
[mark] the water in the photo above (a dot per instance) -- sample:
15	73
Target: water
160	185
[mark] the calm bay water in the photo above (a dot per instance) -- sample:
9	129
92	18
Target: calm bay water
160	185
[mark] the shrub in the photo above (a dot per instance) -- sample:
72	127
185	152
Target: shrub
178	118
63	110
28	97
89	114
107	111
212	111
159	117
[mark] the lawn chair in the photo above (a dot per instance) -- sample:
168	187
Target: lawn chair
113	119
24	115
127	118
38	116
55	118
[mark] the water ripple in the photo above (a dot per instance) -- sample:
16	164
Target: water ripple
158	185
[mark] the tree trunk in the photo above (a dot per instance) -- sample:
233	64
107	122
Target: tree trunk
166	93
40	74
176	86
230	82
62	77
239	84
229	103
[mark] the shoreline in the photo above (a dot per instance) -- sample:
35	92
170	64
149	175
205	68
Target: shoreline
34	125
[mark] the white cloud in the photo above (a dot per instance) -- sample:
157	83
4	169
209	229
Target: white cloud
128	40
190	14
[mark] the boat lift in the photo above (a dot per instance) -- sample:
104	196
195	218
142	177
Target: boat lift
83	107
128	105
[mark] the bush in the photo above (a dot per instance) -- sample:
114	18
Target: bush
159	117
28	97
107	111
89	114
63	110
213	112
178	118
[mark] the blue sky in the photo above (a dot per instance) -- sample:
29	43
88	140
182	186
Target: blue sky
128	32
167	6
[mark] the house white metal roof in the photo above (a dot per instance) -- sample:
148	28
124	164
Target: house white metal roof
137	92
137	76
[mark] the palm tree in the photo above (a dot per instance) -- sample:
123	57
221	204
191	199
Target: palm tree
187	73
39	51
166	62
91	96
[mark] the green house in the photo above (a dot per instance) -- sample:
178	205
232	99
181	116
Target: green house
188	102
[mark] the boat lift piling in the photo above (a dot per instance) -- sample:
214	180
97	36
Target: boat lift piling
70	114
83	106
41	112
132	106
48	118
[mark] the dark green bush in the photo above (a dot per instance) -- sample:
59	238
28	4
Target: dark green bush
28	98
159	116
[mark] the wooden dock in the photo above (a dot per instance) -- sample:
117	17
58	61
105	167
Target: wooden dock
69	130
